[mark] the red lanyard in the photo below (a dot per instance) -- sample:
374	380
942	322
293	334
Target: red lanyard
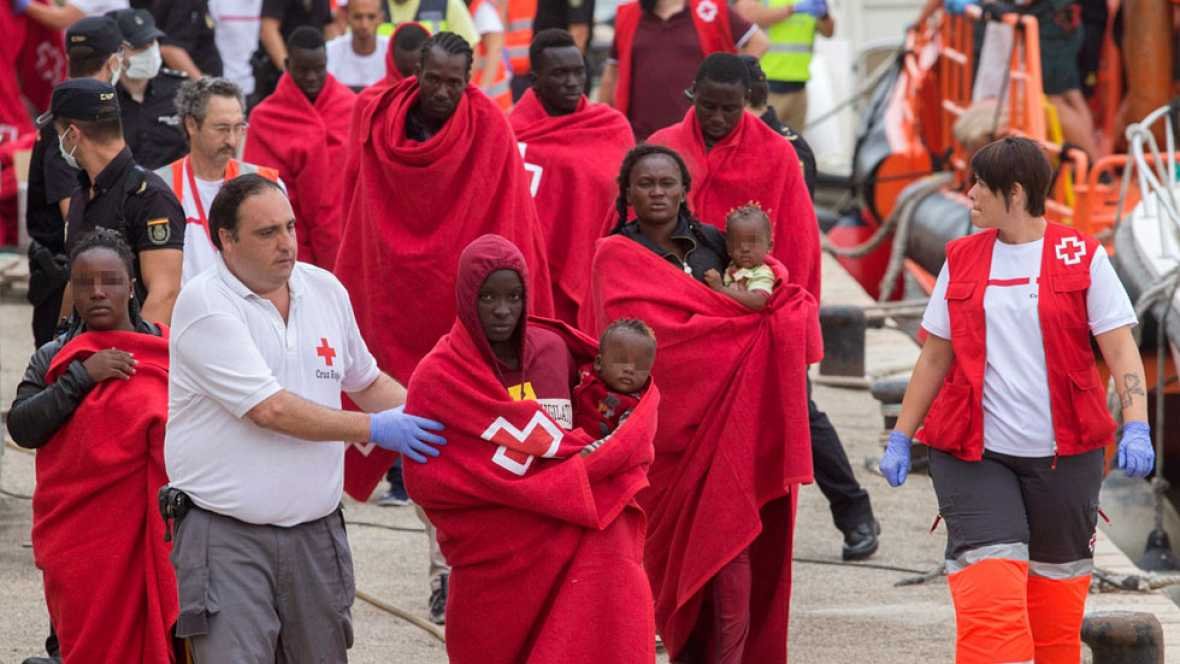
231	172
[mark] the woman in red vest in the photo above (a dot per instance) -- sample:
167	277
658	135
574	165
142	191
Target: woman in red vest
659	44
1015	412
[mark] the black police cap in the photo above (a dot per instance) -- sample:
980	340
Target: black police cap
137	25
99	33
85	99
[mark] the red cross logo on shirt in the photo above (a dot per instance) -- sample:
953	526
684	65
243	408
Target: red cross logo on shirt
325	351
1070	250
517	447
707	10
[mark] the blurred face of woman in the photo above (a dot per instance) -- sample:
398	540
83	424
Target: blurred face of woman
101	287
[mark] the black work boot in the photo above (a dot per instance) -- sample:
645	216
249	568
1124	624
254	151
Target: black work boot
861	542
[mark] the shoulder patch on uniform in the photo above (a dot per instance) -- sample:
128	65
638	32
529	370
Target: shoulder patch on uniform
159	230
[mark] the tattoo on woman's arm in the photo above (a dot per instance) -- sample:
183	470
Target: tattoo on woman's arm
1131	386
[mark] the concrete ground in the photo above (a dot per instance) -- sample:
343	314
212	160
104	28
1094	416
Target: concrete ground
840	613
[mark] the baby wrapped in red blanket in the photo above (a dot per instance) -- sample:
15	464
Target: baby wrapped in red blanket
733	442
613	386
540	526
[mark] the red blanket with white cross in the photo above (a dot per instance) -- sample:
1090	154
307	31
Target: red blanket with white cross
97	533
734	438
545	545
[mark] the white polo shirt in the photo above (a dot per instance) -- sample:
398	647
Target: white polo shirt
230	350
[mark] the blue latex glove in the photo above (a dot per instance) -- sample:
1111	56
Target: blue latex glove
1136	455
895	464
397	431
19	6
958	6
817	8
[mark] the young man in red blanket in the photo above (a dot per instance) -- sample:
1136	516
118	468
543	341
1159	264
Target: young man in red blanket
437	167
732	445
302	130
93	402
402	58
734	159
538	521
571	149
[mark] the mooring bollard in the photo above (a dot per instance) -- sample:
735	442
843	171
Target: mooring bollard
843	329
1124	637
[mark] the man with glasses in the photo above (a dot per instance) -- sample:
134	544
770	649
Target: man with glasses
212	115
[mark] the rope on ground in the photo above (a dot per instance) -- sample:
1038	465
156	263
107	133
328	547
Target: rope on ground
11	494
876	566
374	524
1105	580
414	620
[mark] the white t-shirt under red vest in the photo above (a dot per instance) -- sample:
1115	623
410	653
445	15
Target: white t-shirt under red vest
196	197
1017	416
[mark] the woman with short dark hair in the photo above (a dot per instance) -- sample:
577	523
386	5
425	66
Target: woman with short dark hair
1015	412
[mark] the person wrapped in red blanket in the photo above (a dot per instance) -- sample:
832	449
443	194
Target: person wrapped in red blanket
402	56
733	442
571	149
94	402
538	522
736	159
438	167
302	130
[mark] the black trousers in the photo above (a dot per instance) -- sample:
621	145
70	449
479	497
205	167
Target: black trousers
847	499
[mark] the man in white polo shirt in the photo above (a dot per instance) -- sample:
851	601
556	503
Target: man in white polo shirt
261	348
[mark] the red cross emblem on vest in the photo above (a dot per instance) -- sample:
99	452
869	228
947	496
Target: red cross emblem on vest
1070	250
707	10
517	447
325	351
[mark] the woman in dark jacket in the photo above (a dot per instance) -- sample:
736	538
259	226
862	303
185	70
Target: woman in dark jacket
94	402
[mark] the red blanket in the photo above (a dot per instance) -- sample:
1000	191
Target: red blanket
753	163
572	161
546	562
415	207
308	145
97	533
733	440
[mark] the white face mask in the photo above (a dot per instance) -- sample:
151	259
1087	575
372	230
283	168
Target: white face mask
145	64
68	156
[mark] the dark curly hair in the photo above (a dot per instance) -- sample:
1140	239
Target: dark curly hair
634	157
633	325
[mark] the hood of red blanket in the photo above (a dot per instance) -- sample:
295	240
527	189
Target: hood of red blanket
485	255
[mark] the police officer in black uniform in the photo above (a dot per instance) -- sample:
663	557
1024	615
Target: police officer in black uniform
188	44
851	510
147	93
94	47
117	193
